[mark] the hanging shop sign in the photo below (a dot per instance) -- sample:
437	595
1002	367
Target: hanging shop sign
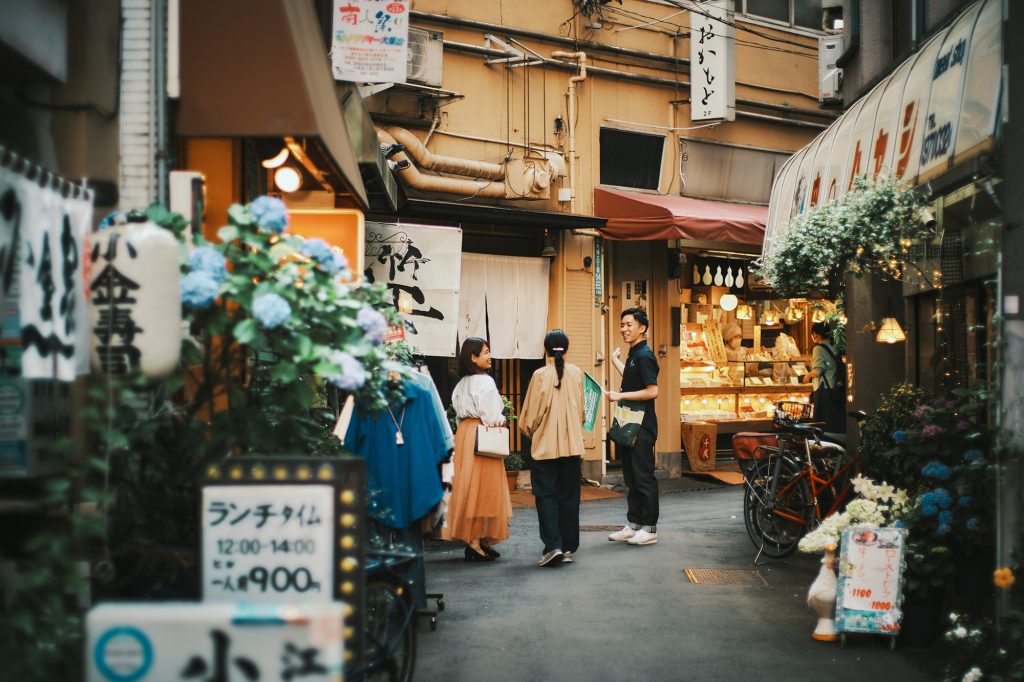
598	271
151	642
42	233
712	67
370	41
871	565
938	109
135	300
421	266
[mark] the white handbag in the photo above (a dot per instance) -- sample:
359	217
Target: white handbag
492	441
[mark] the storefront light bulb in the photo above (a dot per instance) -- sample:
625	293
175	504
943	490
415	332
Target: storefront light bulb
287	179
728	302
744	312
277	160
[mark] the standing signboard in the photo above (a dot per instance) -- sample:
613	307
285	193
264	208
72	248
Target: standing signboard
370	40
712	66
871	565
421	266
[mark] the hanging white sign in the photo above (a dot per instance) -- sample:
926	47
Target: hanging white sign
421	266
370	41
712	67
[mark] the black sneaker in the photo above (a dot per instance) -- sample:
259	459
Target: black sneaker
552	558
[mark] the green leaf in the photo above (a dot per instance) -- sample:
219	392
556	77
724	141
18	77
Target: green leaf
239	215
228	233
245	332
284	372
281	250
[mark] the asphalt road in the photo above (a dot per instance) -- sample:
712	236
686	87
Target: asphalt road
630	613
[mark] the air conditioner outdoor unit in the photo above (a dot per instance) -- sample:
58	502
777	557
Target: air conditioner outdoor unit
426	57
830	76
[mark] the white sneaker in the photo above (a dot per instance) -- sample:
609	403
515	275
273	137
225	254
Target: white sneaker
643	537
567	557
622	535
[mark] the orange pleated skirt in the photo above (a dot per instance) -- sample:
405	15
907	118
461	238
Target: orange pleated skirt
480	506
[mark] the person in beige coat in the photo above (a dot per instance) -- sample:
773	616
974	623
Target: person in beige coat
552	418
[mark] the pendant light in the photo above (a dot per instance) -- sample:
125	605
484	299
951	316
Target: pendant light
889	329
744	312
728	302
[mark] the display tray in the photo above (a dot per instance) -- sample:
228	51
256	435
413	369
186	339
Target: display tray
718	390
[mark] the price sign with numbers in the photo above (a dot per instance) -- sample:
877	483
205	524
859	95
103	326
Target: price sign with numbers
871	565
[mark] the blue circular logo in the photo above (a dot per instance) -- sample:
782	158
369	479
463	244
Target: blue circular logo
123	654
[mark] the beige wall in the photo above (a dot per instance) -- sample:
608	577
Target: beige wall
519	105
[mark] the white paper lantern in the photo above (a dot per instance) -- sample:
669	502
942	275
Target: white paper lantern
135	300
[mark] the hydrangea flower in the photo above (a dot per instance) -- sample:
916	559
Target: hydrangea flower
973	523
931	430
973	675
965	501
963	425
946	517
326	257
929	510
935	469
922	411
944	529
899	436
353	374
198	290
209	260
373	324
974	456
111	219
270	213
271	310
942	498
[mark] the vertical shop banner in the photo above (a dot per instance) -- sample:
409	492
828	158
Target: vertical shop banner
421	266
712	69
591	401
871	565
370	42
598	272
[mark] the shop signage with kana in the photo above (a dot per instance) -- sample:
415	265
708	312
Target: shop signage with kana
370	41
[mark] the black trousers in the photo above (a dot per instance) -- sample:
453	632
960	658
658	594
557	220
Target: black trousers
638	472
556	490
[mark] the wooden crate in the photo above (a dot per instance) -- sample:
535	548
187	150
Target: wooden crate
698	440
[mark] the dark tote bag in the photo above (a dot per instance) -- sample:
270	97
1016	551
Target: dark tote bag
830	401
629	417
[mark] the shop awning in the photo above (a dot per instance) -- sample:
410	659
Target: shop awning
632	215
259	68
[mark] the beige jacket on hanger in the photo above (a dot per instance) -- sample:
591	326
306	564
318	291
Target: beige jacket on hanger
552	417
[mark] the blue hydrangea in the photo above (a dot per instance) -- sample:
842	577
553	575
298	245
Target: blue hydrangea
373	325
898	524
930	498
935	469
965	501
111	219
899	436
944	529
945	517
322	253
271	214
943	498
209	260
929	510
198	290
973	523
974	456
271	310
353	374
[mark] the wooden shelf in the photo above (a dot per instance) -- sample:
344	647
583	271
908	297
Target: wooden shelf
720	390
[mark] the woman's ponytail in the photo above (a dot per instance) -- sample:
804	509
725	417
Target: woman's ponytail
556	343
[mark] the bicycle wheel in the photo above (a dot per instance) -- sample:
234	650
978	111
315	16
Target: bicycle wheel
389	630
776	522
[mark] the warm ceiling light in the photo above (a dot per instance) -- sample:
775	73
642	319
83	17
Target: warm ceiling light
287	179
728	302
890	331
277	160
744	312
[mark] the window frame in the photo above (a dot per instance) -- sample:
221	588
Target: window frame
819	30
661	163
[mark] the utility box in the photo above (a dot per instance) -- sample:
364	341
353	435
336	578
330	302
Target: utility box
830	76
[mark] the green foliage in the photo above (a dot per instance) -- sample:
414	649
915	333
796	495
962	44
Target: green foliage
868	229
514	462
881	458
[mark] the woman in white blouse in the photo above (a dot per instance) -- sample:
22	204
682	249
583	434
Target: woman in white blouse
480	508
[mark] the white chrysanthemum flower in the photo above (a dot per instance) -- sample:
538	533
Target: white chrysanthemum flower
973	675
960	632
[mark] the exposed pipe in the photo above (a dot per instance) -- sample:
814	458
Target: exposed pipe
445	164
412	177
159	39
581	58
508	143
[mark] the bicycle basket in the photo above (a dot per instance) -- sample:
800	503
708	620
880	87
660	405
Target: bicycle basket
797	411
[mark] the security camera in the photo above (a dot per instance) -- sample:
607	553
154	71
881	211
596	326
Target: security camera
390	150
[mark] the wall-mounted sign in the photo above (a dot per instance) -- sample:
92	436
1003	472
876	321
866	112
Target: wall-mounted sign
871	565
712	67
370	41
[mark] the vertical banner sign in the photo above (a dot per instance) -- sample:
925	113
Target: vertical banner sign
712	66
421	266
591	401
598	272
370	41
871	565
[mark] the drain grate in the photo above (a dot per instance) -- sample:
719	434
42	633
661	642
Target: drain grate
604	529
725	576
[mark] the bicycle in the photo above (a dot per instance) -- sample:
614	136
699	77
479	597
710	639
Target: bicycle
389	628
793	485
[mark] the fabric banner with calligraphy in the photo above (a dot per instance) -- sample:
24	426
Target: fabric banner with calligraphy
421	266
871	565
41	249
370	40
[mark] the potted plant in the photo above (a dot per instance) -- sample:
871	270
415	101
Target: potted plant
513	465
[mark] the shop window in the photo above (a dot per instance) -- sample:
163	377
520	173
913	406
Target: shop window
728	172
802	13
631	159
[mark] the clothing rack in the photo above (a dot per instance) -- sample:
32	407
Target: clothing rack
22	165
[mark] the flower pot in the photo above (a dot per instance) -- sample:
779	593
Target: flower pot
922	619
513	480
974	570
